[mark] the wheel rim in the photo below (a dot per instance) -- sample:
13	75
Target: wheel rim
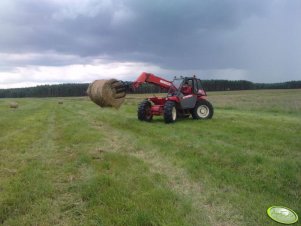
174	113
203	111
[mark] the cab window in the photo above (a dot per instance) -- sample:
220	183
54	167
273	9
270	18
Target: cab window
193	86
199	84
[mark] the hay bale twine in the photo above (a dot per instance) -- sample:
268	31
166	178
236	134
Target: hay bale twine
104	93
13	105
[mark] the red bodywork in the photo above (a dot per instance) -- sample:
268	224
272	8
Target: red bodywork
151	78
158	107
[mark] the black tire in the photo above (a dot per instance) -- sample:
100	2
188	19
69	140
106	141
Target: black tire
144	111
170	112
202	110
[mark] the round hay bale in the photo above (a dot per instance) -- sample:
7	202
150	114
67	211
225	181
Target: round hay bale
104	93
13	105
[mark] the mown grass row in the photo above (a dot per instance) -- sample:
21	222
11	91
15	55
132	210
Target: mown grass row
77	164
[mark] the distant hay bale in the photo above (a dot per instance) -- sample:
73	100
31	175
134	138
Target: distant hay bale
104	93
13	105
60	102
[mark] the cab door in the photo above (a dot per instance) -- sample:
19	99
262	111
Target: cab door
189	101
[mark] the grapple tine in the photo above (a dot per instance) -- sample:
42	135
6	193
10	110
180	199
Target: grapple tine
120	88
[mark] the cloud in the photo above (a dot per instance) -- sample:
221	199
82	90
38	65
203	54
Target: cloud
254	39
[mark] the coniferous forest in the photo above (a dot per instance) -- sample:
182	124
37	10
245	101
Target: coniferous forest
79	89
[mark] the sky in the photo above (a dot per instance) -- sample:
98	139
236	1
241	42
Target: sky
74	41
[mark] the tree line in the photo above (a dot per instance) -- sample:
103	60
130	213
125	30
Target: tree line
68	90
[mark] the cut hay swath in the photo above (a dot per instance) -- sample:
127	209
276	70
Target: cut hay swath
104	93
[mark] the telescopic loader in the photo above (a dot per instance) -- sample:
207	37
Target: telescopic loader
185	97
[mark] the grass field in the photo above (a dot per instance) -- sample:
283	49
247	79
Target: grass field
77	164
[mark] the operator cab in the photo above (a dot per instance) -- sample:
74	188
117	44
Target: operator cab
186	86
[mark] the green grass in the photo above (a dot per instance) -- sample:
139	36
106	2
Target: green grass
78	164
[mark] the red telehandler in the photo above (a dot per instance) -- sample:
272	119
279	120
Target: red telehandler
185	97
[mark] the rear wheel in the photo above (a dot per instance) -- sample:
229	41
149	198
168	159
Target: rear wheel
203	110
144	111
170	112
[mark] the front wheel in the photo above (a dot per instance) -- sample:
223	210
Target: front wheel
203	110
144	111
170	112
